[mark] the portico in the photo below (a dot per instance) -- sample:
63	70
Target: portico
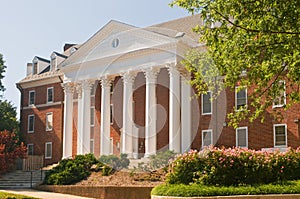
108	54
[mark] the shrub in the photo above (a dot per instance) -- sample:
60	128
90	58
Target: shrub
70	171
117	163
234	166
157	161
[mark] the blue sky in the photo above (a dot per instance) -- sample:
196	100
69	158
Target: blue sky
35	27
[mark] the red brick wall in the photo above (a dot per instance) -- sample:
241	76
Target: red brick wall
40	136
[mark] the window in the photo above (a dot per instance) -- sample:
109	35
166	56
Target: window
92	146
92	116
280	135
206	103
242	137
30	123
31	98
111	114
206	138
34	69
49	121
48	150
280	100
30	149
240	98
50	95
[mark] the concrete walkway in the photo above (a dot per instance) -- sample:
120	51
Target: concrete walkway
43	194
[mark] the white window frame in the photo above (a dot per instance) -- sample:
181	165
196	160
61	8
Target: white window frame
211	134
237	138
111	114
284	96
235	93
46	151
47	127
50	88
202	104
274	134
92	118
111	145
28	148
28	128
29	104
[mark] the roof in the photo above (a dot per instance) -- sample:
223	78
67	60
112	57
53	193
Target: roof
42	59
60	55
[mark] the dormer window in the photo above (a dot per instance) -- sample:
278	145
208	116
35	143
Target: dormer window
73	49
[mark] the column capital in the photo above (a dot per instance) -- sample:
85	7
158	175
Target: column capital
129	76
151	74
68	87
79	90
173	69
106	81
87	84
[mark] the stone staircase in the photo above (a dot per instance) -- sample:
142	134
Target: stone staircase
21	179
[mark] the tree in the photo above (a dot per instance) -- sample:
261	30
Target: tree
252	43
8	115
10	150
2	71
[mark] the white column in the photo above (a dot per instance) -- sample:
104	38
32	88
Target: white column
186	117
150	114
79	121
86	113
105	117
174	109
68	120
127	142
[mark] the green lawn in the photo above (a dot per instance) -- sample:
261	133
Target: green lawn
5	195
193	190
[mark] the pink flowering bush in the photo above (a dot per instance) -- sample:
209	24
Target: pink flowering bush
234	166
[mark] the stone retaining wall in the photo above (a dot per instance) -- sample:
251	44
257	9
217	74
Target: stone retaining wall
275	196
100	192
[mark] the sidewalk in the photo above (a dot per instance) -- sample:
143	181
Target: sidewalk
43	194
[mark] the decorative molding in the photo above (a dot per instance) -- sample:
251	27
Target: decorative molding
42	105
151	74
129	76
87	84
68	87
79	90
106	81
173	69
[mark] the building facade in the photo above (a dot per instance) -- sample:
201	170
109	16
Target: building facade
125	91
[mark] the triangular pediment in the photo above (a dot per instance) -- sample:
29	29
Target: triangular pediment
116	38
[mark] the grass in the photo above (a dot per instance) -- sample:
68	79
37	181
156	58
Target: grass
193	190
5	195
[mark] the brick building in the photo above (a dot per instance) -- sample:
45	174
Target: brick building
124	91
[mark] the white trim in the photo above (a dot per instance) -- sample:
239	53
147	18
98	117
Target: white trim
50	102
28	122
47	128
48	157
274	135
284	94
235	96
41	105
32	91
92	146
202	138
211	104
111	145
236	136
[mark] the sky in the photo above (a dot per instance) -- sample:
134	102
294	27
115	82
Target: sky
37	28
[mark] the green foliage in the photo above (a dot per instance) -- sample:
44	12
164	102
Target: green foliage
2	71
10	150
117	163
8	115
5	195
157	161
234	166
194	190
250	43
70	171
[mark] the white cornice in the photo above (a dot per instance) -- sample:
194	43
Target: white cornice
41	79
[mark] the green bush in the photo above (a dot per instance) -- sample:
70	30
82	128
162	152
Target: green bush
157	161
234	166
70	171
196	190
117	163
